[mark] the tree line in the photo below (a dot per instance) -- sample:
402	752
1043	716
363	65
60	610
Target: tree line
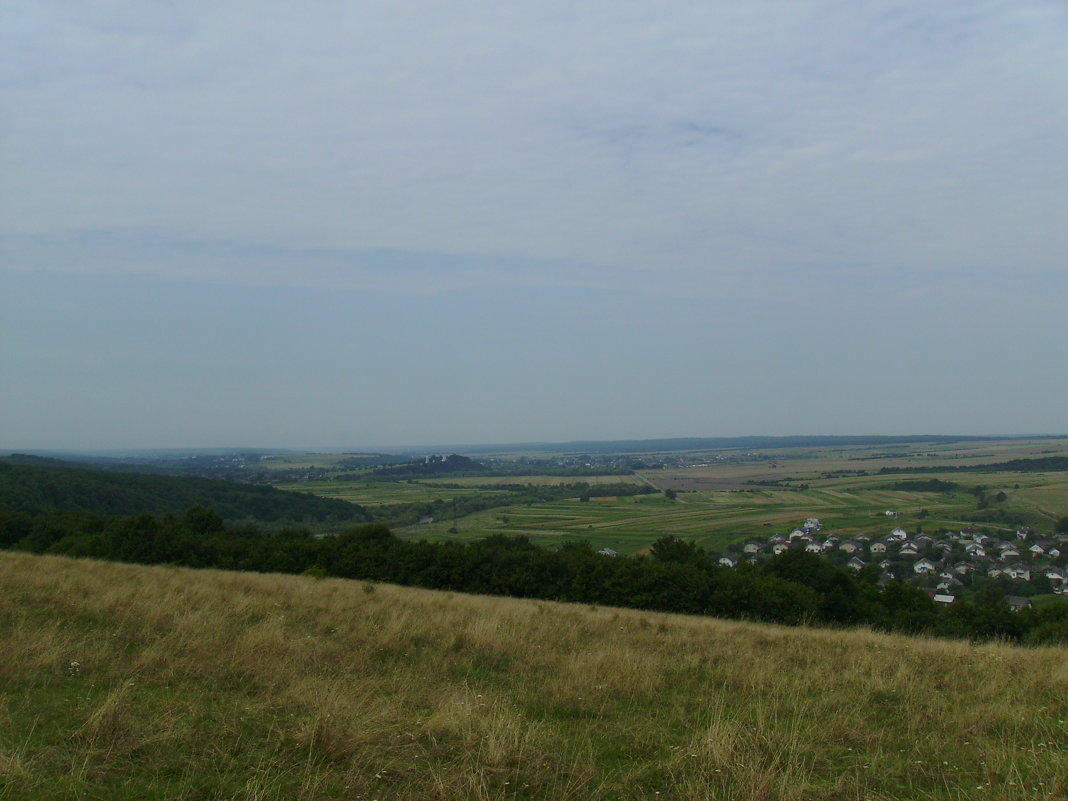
38	490
677	576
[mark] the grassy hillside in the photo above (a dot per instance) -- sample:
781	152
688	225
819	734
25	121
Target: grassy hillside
35	490
127	682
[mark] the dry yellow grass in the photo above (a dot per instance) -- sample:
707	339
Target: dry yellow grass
124	681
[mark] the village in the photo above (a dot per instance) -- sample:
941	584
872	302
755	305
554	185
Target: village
947	564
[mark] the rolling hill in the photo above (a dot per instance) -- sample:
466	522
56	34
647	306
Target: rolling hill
150	683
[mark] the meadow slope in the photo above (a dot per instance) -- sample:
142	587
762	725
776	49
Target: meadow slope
129	682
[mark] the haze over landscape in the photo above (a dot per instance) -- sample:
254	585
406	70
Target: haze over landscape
319	225
531	400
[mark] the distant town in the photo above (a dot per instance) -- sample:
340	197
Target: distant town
945	563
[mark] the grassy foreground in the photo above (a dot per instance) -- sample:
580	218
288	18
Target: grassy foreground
129	682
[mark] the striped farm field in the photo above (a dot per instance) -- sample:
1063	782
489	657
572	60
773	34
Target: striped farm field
714	519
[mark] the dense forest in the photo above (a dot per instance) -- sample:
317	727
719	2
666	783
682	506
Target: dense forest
794	588
37	490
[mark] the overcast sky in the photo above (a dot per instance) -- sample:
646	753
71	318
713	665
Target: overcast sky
317	224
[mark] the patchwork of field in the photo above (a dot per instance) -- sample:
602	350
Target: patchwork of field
801	464
711	519
848	504
302	461
715	519
743	495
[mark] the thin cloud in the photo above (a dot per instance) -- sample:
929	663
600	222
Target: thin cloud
691	139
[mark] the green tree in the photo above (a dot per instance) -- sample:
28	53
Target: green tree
672	549
202	521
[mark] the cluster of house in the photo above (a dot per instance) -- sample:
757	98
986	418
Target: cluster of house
946	561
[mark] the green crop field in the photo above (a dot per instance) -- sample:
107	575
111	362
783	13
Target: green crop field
713	519
720	502
301	461
726	498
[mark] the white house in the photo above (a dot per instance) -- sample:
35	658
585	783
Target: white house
924	566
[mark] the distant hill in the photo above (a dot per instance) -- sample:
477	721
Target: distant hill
728	443
42	461
35	485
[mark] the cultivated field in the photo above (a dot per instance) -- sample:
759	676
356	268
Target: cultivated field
714	519
128	682
719	503
302	461
803	464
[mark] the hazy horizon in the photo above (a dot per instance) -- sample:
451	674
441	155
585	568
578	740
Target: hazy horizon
516	447
401	223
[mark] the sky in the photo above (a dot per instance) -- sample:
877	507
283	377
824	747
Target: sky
319	224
